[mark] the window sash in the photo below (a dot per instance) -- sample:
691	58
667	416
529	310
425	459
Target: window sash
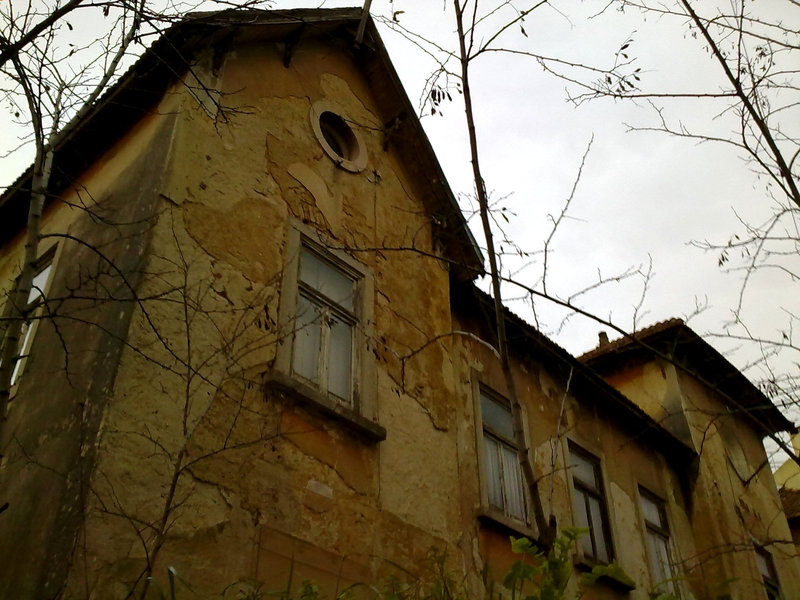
589	506
504	484
659	557
324	330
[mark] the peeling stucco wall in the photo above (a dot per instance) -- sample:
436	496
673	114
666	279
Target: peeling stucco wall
264	482
190	458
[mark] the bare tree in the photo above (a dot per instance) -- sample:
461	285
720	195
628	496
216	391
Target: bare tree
755	51
48	84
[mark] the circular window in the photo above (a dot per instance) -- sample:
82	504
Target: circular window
338	134
340	142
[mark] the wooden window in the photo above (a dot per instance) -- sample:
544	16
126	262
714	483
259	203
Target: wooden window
502	474
589	505
659	557
325	353
325	323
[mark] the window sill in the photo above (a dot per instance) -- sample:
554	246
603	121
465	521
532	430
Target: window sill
493	518
313	399
616	583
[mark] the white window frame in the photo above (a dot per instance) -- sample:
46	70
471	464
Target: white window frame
32	313
487	509
661	532
364	381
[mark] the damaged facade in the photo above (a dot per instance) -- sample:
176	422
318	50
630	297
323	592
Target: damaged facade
258	348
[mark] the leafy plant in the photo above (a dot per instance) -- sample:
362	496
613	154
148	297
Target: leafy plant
539	575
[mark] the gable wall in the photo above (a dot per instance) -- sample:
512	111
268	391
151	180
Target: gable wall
273	486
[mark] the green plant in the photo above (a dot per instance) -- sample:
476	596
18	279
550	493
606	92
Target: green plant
540	575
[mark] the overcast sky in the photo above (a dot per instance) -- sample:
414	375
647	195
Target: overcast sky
641	197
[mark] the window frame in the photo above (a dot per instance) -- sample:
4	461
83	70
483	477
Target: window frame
597	492
487	510
661	531
329	310
31	314
360	412
769	580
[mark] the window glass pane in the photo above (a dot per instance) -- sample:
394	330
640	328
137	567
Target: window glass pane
658	550
583	469
582	520
512	483
326	279
763	568
307	337
37	286
340	359
24	349
598	530
652	512
491	456
765	565
497	416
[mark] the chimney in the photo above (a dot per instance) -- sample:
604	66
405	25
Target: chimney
602	339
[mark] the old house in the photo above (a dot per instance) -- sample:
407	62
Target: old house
255	347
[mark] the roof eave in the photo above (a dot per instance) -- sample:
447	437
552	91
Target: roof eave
169	57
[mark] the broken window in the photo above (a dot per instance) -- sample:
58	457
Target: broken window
659	556
589	505
503	476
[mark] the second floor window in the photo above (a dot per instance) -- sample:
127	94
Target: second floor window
503	475
31	311
589	505
324	325
662	571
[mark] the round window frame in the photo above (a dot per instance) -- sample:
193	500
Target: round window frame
359	161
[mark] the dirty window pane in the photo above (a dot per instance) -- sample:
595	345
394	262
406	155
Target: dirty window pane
658	550
491	450
340	359
37	286
326	279
512	477
579	505
652	512
583	470
307	338
589	504
497	417
598	531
